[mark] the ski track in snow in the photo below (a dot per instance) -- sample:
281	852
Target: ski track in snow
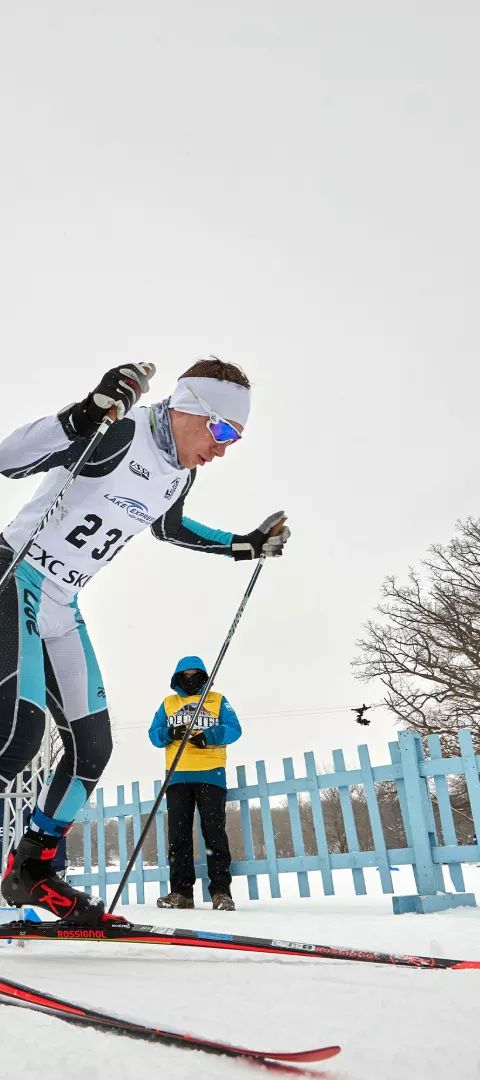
391	1022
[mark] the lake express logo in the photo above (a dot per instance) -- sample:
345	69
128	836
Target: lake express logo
135	509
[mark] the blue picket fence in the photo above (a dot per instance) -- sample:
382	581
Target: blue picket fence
419	780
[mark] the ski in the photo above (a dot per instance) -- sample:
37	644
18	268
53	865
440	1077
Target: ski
13	993
138	933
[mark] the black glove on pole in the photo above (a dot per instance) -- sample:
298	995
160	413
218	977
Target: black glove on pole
77	468
177	733
269	539
199	740
188	731
119	389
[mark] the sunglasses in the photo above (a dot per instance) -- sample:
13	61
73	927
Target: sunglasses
220	429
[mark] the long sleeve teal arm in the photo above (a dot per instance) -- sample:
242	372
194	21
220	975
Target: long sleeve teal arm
158	731
227	730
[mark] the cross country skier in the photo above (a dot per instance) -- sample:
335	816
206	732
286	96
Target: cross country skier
138	477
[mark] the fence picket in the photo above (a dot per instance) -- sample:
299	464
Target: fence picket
160	816
268	834
137	828
471	766
324	864
122	837
246	822
375	819
445	812
101	854
349	822
296	827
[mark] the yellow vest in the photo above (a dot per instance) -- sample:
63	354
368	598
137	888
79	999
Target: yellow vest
180	710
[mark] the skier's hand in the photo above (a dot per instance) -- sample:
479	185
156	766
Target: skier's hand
269	539
121	387
198	740
117	391
176	733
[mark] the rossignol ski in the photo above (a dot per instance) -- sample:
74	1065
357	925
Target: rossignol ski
165	935
12	993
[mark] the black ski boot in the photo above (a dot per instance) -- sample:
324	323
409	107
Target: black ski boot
29	879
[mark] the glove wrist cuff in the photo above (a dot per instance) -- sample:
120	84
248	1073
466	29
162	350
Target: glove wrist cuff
245	547
76	422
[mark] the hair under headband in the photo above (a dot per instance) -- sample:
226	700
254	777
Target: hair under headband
228	399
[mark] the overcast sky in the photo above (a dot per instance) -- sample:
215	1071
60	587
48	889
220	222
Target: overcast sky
293	186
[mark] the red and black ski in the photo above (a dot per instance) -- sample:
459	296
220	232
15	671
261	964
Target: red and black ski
165	935
12	993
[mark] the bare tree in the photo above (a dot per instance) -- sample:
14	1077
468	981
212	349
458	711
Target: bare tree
425	647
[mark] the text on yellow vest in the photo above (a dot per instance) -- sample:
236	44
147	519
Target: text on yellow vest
179	711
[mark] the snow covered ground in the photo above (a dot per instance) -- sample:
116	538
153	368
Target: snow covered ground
391	1022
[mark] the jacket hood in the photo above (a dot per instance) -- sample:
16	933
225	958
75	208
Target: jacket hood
184	664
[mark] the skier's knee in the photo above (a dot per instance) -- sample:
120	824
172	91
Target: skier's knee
16	752
93	746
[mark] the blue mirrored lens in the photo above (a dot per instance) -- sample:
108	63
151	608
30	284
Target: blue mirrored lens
223	432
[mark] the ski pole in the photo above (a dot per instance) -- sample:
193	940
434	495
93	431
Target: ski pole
191	725
49	512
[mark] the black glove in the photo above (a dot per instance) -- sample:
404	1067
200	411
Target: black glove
198	740
176	734
265	540
121	387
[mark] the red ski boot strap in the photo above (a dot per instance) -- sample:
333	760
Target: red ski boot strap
107	918
9	866
48	853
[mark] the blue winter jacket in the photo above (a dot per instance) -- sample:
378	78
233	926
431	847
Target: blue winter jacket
226	730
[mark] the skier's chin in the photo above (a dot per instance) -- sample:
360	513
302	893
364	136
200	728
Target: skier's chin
193	460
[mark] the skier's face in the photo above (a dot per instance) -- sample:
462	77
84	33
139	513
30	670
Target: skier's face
194	442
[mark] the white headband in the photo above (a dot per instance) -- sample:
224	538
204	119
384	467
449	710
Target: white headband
228	399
